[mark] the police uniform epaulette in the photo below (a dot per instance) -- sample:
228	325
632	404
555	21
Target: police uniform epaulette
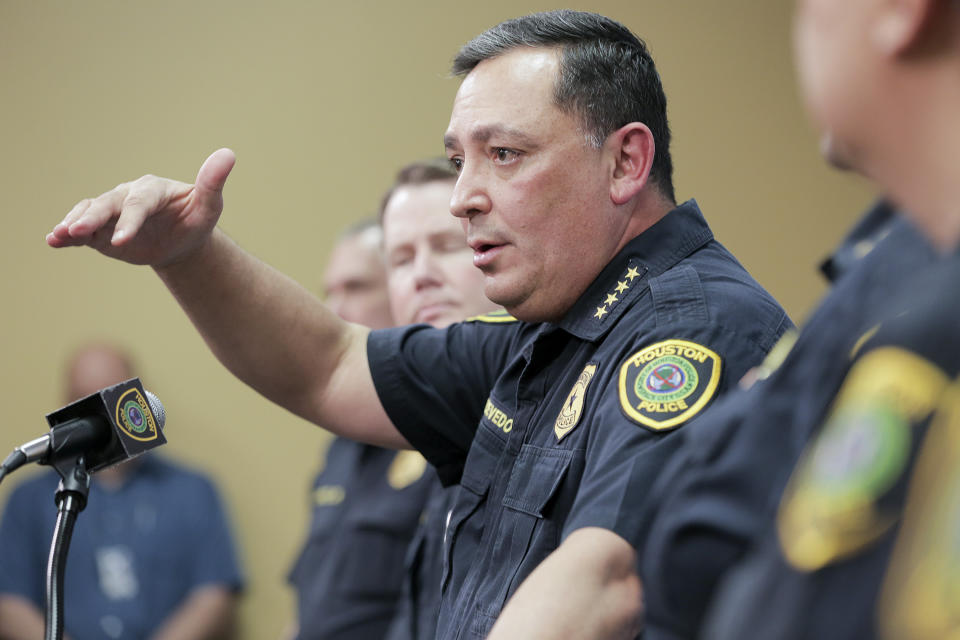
494	317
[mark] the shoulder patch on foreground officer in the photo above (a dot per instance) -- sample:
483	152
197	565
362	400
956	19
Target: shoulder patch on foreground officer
494	317
832	506
406	468
573	406
919	594
665	384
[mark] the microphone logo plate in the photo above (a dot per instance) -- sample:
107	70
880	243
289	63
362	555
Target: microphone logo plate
133	416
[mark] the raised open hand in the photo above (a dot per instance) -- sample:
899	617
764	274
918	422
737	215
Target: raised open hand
151	220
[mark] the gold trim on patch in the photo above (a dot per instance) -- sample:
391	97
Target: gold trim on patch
328	495
683	369
407	467
862	340
573	406
919	597
149	427
829	510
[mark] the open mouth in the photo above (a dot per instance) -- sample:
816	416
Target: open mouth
485	254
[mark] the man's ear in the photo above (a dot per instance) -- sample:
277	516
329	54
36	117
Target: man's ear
633	149
902	26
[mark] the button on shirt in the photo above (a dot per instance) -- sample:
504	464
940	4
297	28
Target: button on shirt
549	428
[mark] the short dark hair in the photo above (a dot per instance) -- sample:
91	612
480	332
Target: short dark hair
421	172
607	77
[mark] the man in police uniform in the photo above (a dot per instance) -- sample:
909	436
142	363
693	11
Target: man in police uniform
818	572
370	502
881	80
430	278
366	500
714	496
632	319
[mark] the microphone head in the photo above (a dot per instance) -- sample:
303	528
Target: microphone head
133	416
157	407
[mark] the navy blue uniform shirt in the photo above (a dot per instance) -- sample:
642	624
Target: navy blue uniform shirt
718	491
367	504
549	428
818	567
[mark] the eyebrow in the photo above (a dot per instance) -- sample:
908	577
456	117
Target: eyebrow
484	133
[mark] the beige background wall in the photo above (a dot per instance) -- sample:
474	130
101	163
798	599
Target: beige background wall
322	101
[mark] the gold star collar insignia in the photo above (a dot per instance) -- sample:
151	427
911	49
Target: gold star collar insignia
613	297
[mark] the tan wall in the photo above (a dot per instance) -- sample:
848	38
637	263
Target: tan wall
322	101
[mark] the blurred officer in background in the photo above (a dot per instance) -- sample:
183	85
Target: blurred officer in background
366	500
370	502
882	83
431	279
151	555
716	495
805	500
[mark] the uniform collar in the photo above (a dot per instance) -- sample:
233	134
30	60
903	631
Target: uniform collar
675	236
872	227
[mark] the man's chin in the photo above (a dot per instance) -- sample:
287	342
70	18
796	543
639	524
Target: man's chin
500	299
836	153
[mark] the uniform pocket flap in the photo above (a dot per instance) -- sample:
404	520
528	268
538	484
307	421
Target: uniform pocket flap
535	478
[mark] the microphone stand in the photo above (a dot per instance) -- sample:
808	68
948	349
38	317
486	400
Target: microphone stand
71	499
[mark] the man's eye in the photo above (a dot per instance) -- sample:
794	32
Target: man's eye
457	164
400	260
505	155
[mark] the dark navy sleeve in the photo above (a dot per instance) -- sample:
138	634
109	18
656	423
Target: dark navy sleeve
433	384
715	488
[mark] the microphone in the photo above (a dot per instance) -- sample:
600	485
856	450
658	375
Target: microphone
108	427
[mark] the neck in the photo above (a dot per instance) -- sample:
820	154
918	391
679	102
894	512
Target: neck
650	208
919	169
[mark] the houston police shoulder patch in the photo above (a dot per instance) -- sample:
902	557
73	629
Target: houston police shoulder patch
833	506
494	317
573	406
920	590
665	384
